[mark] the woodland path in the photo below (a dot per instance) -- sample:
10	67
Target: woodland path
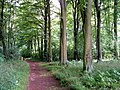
41	79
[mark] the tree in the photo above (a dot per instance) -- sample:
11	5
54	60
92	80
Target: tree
63	40
1	27
98	45
115	29
87	62
50	37
75	4
45	29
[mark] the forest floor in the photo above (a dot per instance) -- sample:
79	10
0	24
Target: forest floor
41	79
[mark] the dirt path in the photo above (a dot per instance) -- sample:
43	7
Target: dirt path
41	79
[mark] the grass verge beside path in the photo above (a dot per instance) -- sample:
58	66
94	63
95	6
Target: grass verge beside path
14	75
106	76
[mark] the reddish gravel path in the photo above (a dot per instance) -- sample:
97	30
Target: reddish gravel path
41	79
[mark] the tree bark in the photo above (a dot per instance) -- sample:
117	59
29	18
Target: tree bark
115	30
35	45
87	62
45	29
63	40
74	5
98	45
42	46
50	37
38	40
1	28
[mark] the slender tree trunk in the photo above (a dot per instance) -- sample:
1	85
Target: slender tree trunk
98	46
75	28
50	37
31	45
87	62
41	45
11	35
35	44
9	31
14	41
8	39
63	41
115	29
45	30
83	15
38	40
1	28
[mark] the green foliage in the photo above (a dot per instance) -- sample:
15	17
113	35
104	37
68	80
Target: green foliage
14	75
55	54
2	57
71	75
13	53
26	53
1	49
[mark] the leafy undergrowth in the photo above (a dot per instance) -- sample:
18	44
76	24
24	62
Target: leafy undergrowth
13	75
106	76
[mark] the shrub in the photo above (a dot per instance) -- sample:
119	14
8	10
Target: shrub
13	53
12	76
106	76
26	53
2	57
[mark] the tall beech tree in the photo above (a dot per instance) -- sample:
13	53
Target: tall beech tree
2	27
98	40
63	40
87	62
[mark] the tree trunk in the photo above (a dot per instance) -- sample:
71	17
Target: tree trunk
31	45
87	62
75	28
41	46
9	31
50	38
1	28
35	45
63	41
98	46
45	30
115	29
38	40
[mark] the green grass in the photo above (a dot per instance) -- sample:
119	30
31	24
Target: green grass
106	76
14	75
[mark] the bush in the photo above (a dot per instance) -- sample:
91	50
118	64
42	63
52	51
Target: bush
26	53
106	76
1	49
12	76
13	53
55	52
2	57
